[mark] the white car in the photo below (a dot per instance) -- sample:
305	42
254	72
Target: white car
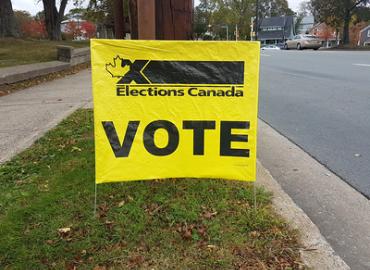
270	47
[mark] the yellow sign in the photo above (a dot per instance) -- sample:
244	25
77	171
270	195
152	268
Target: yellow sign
174	109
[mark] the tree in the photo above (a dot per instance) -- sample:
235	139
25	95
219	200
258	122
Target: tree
203	16
355	31
338	13
75	13
273	8
53	18
34	29
8	27
23	19
219	13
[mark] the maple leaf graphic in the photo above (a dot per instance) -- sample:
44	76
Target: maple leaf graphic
116	69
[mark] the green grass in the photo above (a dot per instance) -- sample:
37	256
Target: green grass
26	51
167	224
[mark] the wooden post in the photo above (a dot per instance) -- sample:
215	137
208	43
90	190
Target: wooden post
119	22
133	15
146	19
174	19
161	19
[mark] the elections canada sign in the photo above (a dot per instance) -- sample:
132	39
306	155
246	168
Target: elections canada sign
175	109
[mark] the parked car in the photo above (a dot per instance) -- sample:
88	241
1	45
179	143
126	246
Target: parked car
301	42
270	47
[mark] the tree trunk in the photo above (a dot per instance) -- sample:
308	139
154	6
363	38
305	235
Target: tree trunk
347	18
119	20
8	26
53	18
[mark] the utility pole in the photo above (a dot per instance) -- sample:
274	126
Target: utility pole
257	17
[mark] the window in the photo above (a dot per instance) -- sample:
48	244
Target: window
272	28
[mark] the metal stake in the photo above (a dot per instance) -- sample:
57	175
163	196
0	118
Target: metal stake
95	197
254	197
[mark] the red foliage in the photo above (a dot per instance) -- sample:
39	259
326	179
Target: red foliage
83	29
72	29
34	29
89	29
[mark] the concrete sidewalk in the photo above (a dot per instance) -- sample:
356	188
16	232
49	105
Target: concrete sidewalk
26	115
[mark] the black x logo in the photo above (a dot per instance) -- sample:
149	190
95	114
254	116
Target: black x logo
134	74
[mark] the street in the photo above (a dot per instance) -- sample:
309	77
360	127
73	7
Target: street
320	100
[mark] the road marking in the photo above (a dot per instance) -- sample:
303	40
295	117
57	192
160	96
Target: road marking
262	54
361	65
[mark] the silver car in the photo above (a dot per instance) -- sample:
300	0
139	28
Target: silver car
301	42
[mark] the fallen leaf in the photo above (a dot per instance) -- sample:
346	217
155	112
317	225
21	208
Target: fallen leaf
254	234
75	148
64	232
98	267
187	234
136	260
209	215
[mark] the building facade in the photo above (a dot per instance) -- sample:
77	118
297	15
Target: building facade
305	25
276	30
364	37
328	35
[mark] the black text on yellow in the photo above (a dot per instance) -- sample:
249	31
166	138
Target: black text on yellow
198	127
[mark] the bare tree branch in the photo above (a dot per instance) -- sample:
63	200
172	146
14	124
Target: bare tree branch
358	2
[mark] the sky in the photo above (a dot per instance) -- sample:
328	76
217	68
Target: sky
34	6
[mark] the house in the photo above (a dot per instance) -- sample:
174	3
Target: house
73	27
328	35
276	30
364	37
78	29
305	25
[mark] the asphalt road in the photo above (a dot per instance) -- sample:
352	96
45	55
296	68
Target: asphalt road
320	100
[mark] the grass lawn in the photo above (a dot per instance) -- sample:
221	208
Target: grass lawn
46	216
26	51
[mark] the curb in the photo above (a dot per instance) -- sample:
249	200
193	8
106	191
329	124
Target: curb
14	74
318	254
